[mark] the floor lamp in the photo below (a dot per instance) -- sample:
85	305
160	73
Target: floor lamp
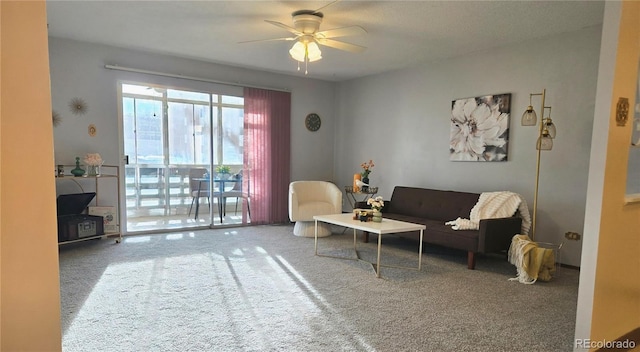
546	134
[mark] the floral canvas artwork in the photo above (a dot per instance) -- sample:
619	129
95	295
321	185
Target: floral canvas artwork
480	128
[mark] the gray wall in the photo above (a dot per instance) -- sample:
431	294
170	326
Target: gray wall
401	120
77	70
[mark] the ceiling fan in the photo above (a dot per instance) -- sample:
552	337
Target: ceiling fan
307	36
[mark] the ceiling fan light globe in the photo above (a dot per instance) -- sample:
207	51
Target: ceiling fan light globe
313	52
298	51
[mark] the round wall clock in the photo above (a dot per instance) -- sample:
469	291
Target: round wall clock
313	122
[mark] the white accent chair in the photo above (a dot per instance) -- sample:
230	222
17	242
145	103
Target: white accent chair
309	198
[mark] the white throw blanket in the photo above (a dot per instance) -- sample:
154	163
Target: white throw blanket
493	205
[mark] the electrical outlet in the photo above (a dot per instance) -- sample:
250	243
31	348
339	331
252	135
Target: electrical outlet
574	236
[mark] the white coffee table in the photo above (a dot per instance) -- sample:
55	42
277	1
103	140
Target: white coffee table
385	227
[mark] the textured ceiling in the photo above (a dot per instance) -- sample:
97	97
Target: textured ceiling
399	33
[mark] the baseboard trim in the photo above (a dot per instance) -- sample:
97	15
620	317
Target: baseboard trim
570	266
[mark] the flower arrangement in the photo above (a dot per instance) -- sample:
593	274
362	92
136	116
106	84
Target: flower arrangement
366	168
376	203
222	169
93	159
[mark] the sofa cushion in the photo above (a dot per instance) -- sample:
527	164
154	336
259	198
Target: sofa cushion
438	233
431	204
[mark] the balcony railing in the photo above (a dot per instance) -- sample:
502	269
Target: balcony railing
158	190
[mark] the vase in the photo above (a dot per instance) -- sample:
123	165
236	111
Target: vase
93	170
365	180
377	216
77	172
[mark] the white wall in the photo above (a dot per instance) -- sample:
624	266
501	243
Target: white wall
401	120
77	70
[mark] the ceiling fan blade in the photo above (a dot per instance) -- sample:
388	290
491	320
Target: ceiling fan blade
325	6
341	32
341	45
284	26
268	40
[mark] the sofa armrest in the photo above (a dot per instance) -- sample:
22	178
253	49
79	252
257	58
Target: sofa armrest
496	234
335	196
293	204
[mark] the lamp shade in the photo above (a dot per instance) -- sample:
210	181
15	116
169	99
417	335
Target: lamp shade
550	127
529	117
298	51
545	142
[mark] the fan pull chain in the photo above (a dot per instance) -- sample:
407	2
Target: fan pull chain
306	58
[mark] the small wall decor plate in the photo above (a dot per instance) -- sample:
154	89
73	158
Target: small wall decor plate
622	111
92	130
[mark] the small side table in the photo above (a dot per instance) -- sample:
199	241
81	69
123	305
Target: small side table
360	196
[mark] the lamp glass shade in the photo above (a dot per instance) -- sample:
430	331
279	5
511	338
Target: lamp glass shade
544	142
551	128
313	52
529	117
298	51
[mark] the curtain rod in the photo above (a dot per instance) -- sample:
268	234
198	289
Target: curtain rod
192	78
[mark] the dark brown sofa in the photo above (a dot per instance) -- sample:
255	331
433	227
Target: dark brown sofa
435	207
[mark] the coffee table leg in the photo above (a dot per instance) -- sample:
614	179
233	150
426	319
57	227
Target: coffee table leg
354	240
378	265
315	246
420	251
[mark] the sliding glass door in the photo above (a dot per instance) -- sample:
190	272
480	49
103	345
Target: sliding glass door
175	141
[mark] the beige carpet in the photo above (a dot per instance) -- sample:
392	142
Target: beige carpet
262	289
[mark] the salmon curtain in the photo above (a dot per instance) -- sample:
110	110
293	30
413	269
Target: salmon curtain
267	154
